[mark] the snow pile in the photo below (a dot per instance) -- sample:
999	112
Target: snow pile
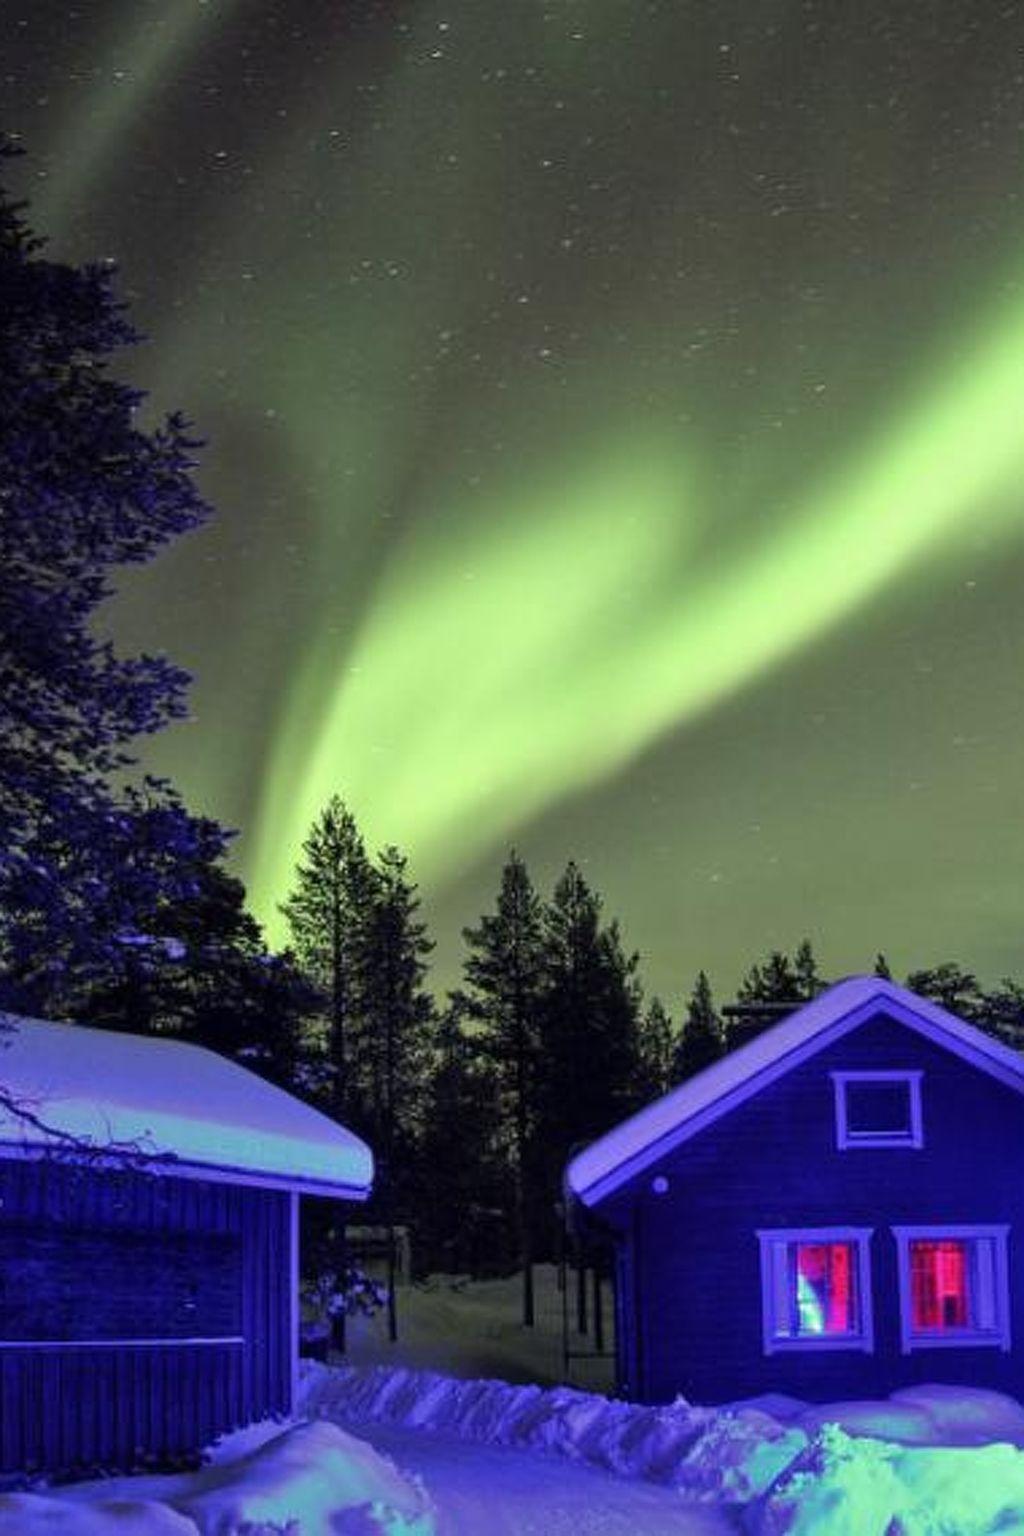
310	1480
303	1480
842	1486
707	1453
929	1414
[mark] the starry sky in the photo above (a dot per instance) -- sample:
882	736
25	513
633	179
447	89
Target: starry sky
615	419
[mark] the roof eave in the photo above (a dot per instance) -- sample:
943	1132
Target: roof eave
169	1166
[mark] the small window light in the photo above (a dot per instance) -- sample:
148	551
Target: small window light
954	1286
660	1185
878	1109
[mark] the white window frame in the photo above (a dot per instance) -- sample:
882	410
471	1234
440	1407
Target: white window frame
770	1240
998	1335
847	1140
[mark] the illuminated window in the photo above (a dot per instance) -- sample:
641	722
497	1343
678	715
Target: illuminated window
953	1286
815	1289
878	1109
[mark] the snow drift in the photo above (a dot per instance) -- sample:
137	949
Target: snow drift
310	1480
707	1453
929	1461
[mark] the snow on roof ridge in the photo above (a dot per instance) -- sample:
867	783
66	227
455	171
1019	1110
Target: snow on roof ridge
174	1098
638	1141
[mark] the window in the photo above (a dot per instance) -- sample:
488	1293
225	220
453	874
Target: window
954	1286
815	1289
878	1109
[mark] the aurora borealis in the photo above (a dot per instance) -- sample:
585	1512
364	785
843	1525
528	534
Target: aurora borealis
616	433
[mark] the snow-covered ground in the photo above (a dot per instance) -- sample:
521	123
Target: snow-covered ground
310	1479
390	1449
930	1461
394	1452
472	1328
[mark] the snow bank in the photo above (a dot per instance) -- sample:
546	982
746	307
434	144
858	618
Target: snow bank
842	1486
310	1480
707	1453
307	1478
929	1461
929	1414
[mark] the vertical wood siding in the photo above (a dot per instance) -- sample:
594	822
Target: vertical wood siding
691	1314
65	1407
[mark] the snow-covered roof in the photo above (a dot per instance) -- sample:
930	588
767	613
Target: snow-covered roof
642	1140
211	1116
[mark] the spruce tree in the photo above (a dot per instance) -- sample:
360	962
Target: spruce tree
701	1039
504	979
951	987
657	1049
328	913
882	967
591	1032
805	969
463	1172
392	1052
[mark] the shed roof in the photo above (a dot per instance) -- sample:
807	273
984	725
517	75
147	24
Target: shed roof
639	1142
209	1116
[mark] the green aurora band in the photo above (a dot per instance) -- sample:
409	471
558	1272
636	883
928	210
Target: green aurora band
505	324
503	669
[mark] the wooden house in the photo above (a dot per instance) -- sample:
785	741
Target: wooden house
148	1296
835	1209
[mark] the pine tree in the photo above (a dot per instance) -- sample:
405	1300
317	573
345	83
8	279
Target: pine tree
1001	1013
504	975
657	1049
464	1177
882	967
397	1012
591	1034
951	987
701	1039
328	913
392	1053
204	974
805	970
85	865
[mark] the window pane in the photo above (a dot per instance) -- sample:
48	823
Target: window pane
940	1287
878	1109
822	1288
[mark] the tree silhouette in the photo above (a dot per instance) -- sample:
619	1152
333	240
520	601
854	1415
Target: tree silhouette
701	1039
87	867
504	982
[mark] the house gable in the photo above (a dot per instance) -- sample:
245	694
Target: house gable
635	1146
692	1230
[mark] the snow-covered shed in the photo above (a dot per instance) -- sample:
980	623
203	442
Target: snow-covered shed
148	1295
835	1209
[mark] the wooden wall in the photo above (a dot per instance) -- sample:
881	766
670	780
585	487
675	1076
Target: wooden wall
79	1394
691	1308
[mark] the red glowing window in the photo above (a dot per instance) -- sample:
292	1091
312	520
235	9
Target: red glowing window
938	1284
814	1289
822	1287
954	1286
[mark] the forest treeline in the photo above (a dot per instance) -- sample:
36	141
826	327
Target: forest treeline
118	909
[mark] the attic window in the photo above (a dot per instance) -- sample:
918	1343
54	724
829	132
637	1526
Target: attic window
815	1289
878	1109
954	1287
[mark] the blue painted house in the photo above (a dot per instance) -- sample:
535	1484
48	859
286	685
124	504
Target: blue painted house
147	1306
836	1209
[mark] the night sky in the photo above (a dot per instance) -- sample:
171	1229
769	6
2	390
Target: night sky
616	431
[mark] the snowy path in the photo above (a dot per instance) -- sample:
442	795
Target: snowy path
490	1491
